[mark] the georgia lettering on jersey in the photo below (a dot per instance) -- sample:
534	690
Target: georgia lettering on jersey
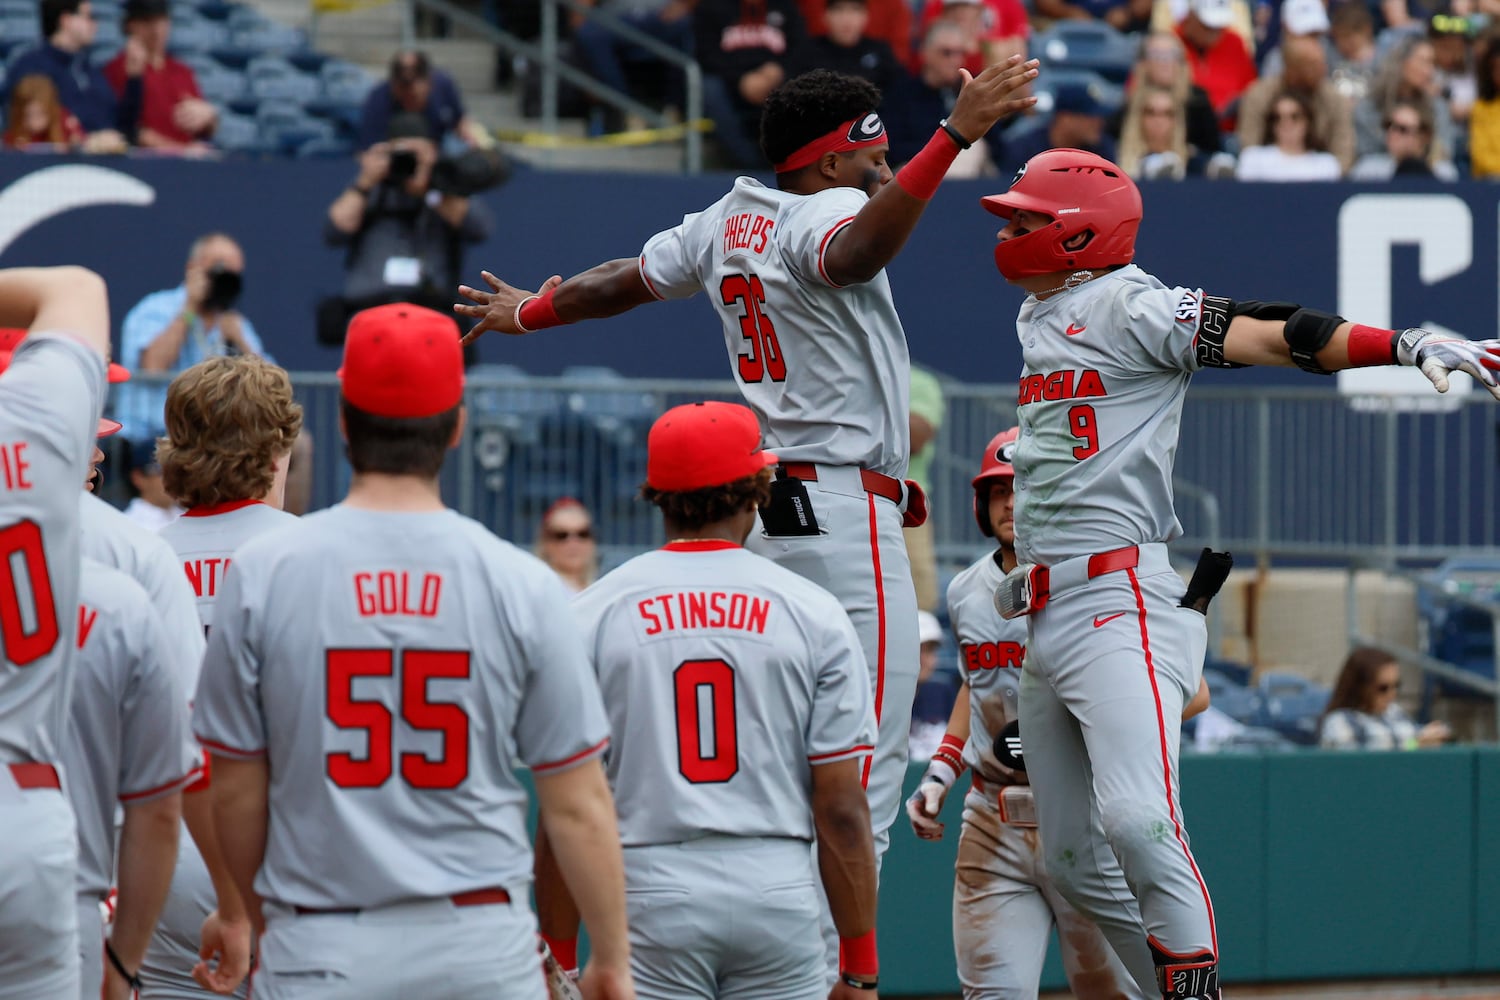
825	367
1099	400
990	653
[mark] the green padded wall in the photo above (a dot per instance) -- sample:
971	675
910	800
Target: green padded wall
1487	860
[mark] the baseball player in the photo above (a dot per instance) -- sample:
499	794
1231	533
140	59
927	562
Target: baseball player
740	716
1111	655
796	276
232	493
128	747
1004	903
51	395
374	675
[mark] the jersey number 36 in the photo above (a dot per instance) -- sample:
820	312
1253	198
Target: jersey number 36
762	356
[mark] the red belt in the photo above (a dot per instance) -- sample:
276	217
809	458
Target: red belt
1099	564
475	897
35	775
874	482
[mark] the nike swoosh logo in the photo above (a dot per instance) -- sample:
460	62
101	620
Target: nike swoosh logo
1106	619
1074	331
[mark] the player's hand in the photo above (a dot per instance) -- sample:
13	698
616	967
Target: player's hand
843	991
1434	734
496	309
225	952
606	983
1438	356
923	808
992	95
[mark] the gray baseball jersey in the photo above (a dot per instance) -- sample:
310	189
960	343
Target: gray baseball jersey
1106	369
205	537
117	541
725	677
395	669
50	398
990	653
128	738
824	366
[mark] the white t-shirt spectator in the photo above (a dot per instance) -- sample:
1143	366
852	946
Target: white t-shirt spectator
1269	163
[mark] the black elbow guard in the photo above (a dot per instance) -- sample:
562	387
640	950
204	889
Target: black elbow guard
1214	319
1308	331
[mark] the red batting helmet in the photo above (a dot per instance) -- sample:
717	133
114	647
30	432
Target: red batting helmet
997	457
1094	206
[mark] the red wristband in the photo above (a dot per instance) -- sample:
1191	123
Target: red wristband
537	313
924	172
858	957
951	752
1371	347
565	950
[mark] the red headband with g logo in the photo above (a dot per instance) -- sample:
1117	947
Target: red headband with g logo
866	130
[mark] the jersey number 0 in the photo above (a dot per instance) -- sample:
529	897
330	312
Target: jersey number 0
418	667
704	692
21	547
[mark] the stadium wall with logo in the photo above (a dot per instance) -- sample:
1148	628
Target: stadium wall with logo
1407	255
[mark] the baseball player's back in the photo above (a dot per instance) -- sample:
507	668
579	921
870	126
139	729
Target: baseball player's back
824	366
50	397
724	677
205	538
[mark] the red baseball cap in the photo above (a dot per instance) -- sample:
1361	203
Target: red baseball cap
402	361
700	445
106	425
11	337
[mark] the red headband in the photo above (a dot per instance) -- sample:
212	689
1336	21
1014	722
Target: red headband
866	130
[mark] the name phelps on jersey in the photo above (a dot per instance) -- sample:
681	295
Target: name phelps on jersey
704	609
992	655
747	231
1066	384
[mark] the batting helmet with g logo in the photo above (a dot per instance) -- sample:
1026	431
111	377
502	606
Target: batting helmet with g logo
997	463
1093	205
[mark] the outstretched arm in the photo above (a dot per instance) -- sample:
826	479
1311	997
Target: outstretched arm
942	772
606	289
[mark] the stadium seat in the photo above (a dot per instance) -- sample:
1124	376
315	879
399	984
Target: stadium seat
196	35
1086	45
344	82
1046	86
18	29
20	8
1274	684
237	133
285	127
109	34
219	85
266	39
100	55
325	147
215	10
107	11
271	78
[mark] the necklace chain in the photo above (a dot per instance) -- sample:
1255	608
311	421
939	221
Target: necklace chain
1074	280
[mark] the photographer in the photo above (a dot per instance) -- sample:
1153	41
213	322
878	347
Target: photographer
404	221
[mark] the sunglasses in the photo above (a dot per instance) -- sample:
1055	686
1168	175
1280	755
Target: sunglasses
1401	128
1388	688
951	52
583	534
1288	116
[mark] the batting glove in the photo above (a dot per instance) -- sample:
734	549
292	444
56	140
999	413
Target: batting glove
923	807
1438	356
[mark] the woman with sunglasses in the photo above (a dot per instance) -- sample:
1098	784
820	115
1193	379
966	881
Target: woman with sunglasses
565	542
1362	713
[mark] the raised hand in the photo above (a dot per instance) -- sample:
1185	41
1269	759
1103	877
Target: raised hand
993	94
497	309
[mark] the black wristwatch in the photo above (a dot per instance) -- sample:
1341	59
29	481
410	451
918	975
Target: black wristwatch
954	134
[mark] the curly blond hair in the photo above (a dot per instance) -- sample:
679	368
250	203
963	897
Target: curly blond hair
228	419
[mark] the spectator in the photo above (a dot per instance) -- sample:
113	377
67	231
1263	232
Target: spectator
37	118
414	87
1305	74
1163	64
993	30
1484	121
744	47
889	22
1353	63
1452	38
1299	19
69	27
1077	122
845	47
1219	59
565	541
924	421
937	689
606	54
173	113
1296	151
914	102
1409	71
1153	139
151	507
1122	15
1362	713
1408	148
403	241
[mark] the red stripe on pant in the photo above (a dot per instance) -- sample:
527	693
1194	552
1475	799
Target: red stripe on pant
880	639
1166	761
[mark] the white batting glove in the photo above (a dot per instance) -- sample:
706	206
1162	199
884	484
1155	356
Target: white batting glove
924	806
1438	356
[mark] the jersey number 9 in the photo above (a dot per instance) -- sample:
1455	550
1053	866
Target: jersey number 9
706	688
764	355
418	667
